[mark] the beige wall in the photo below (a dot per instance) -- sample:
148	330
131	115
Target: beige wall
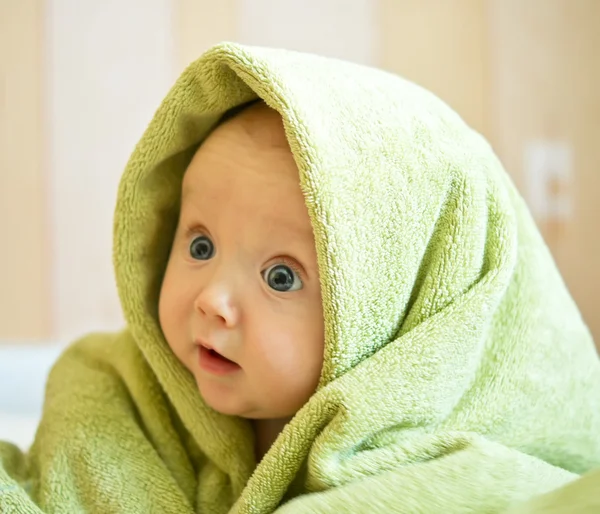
100	94
24	243
545	83
199	24
443	46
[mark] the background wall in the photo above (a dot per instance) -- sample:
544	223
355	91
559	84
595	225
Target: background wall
107	66
80	80
442	45
24	264
545	84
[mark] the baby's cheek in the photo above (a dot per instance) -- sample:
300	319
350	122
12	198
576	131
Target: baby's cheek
170	312
163	310
281	349
175	295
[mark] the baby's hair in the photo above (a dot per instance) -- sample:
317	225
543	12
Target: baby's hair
238	109
263	124
232	113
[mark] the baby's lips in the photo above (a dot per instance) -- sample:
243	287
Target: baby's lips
208	346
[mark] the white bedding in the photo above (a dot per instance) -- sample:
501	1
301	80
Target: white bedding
23	372
18	429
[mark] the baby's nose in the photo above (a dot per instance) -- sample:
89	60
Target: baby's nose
216	301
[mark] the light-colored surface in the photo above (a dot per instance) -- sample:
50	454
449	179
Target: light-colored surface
545	77
442	46
345	29
23	373
110	64
199	24
18	429
548	170
25	256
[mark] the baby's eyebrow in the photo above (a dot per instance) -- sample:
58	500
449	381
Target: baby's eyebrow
301	231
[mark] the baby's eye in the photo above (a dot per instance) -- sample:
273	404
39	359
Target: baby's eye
282	278
201	248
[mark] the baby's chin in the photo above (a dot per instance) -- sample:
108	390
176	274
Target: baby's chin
245	412
230	405
226	402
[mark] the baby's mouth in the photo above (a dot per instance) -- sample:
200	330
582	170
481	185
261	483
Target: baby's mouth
212	361
217	355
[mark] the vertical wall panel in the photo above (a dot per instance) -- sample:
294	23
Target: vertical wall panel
25	258
109	65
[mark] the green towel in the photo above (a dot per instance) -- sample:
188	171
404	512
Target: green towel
579	497
458	374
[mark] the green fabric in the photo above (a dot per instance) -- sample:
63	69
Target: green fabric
458	375
579	497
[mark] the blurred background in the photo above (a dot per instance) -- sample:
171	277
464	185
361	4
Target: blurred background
79	81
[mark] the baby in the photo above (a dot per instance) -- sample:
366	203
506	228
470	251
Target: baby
240	304
336	301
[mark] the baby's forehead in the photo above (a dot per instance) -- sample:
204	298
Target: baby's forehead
253	140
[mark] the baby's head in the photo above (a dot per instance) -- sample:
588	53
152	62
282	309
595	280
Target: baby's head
240	303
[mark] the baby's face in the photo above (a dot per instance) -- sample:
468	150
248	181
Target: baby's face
240	303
